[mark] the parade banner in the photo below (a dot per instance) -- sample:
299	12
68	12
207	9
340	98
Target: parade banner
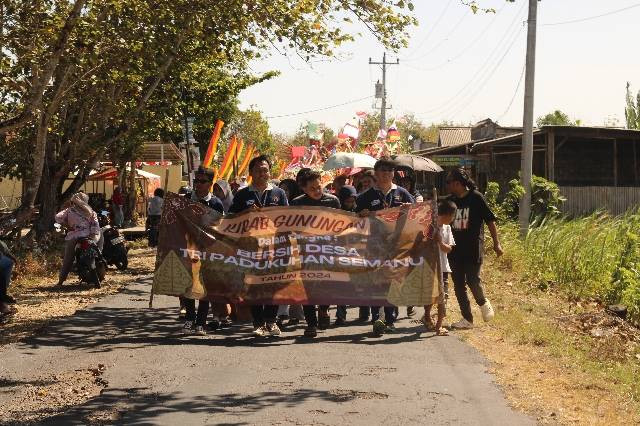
299	255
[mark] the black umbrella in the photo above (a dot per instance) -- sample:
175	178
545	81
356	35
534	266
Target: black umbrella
417	163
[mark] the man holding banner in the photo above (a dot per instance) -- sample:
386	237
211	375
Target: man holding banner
260	194
309	181
308	255
201	193
385	194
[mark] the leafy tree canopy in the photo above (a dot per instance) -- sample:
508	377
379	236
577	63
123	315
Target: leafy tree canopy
556	118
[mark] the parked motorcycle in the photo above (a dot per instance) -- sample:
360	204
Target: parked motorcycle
114	250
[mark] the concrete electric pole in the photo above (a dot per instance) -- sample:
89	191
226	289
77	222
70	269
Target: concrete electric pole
527	122
383	90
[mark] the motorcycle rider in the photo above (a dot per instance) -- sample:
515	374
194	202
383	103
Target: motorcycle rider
81	222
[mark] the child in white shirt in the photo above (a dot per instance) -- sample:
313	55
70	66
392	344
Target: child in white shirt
444	238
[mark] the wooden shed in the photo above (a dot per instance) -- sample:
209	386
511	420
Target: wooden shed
595	167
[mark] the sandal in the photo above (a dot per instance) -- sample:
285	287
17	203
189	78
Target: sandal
428	323
442	332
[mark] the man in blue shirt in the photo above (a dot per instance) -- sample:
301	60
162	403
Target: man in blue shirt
310	182
383	195
255	196
201	193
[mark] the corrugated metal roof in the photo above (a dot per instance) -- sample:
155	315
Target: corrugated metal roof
153	152
452	136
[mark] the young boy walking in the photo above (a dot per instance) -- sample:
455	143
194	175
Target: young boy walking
446	242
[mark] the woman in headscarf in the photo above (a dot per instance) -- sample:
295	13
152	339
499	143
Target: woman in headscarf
222	190
81	222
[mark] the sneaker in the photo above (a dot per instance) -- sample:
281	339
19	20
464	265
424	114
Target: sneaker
273	329
225	322
187	328
410	311
339	322
200	330
214	325
260	331
293	322
390	329
363	319
324	322
310	332
487	311
182	314
379	327
463	324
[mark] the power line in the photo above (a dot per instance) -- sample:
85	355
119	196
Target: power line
514	95
480	73
444	39
467	101
431	31
320	109
589	18
463	51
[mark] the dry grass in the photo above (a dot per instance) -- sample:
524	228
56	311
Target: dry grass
40	300
562	362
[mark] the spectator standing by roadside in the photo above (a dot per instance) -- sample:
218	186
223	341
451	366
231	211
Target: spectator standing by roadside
7	262
466	257
154	214
117	204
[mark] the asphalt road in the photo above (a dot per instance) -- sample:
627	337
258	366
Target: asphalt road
344	376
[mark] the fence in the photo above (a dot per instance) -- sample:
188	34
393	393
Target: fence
586	199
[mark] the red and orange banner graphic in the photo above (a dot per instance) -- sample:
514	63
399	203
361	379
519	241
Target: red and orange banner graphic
299	255
247	158
213	144
228	158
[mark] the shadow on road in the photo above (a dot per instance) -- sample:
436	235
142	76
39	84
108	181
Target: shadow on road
138	406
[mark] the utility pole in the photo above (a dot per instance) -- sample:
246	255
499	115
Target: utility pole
527	122
383	91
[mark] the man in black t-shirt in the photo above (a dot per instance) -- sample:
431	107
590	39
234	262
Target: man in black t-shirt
466	257
309	182
255	196
385	194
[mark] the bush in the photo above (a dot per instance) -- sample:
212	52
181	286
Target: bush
491	196
546	199
594	258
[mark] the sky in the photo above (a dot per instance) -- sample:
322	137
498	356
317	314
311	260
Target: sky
463	68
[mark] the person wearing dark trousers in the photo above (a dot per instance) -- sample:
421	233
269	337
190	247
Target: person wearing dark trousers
465	259
347	197
202	194
260	194
7	261
310	183
385	194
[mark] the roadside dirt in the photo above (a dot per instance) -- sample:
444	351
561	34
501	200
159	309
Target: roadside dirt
556	361
40	300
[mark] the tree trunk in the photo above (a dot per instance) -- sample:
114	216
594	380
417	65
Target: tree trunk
132	198
49	197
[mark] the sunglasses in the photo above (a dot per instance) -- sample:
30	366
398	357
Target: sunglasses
202	181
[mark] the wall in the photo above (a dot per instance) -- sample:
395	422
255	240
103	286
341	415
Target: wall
175	175
587	199
10	193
